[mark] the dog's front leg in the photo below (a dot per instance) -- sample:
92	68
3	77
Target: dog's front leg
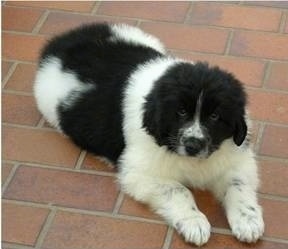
244	214
172	201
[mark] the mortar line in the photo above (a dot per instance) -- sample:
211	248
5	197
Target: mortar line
266	75
138	23
41	122
51	9
9	178
40	22
111	215
168	238
19	61
19	93
250	57
229	42
219	230
27	203
45	228
273	197
9	74
225	231
271	158
118	203
66	169
15	246
80	160
95	8
188	13
25	33
22	126
259	138
277	240
266	122
282	22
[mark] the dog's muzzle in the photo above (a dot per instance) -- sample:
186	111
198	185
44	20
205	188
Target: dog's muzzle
194	146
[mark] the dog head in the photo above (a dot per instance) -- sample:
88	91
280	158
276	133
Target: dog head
192	109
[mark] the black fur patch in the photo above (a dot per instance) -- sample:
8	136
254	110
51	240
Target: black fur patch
94	122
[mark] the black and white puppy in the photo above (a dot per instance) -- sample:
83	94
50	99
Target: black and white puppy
167	123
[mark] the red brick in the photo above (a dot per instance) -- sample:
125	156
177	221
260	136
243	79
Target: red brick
23	78
160	11
60	22
19	109
278	78
63	188
268	106
21	47
135	208
5	171
38	146
22	224
263	45
235	16
79	6
275	218
71	230
176	36
5	69
274	176
19	19
211	208
275	141
91	162
248	71
219	241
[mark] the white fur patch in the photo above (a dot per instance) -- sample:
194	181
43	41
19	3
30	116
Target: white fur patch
53	86
135	35
140	84
195	130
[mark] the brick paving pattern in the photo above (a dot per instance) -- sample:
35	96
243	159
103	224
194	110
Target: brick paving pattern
56	196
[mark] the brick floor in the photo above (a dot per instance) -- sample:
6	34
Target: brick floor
55	196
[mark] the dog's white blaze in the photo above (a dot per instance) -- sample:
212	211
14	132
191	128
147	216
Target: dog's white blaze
195	130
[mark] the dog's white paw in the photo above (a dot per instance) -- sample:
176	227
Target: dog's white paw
247	223
195	229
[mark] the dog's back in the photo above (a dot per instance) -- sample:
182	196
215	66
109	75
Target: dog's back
80	81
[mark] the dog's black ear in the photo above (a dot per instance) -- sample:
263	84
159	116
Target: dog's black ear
240	131
151	117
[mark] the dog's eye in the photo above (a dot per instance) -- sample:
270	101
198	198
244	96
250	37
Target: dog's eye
214	116
182	113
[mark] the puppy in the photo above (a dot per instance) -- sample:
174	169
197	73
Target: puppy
167	124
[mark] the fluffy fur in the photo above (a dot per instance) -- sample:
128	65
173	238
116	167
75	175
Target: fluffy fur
168	124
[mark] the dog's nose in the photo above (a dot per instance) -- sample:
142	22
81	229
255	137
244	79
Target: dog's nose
194	145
